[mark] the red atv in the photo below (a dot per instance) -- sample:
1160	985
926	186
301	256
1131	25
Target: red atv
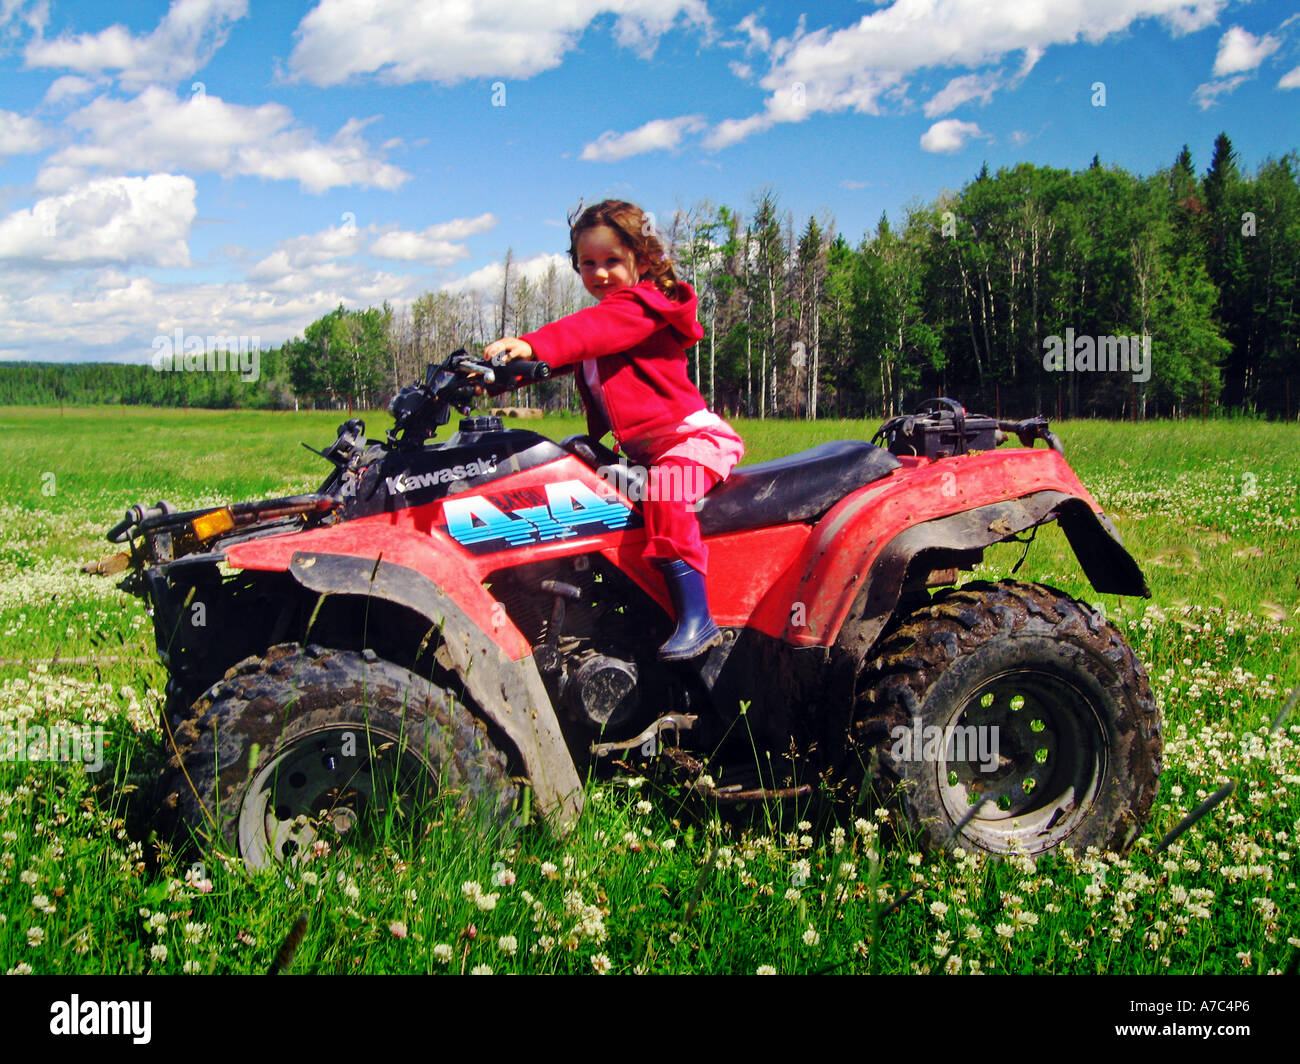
475	617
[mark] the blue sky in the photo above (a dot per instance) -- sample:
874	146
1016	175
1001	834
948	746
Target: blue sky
234	167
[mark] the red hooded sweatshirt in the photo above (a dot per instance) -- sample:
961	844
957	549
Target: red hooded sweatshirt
639	338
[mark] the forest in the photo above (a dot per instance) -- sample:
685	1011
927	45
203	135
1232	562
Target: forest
1195	280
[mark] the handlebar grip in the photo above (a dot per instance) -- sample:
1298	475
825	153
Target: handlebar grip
120	532
117	534
533	371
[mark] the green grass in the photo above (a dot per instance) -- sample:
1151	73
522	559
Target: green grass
653	880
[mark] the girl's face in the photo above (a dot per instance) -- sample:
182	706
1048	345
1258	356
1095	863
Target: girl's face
605	263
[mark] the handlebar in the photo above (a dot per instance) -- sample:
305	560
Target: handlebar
527	370
419	410
121	532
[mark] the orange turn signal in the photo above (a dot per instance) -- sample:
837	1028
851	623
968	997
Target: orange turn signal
213	523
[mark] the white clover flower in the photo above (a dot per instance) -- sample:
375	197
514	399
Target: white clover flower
765	969
508	944
811	937
938	908
601	963
35	936
481	969
158	953
191	967
442	953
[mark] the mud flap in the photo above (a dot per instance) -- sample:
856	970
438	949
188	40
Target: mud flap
1108	566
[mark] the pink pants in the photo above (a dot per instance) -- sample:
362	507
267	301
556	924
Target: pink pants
684	465
672	529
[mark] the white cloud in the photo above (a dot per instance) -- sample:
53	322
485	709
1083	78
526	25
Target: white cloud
962	90
1207	93
1194	16
202	133
488	279
34	15
1290	80
733	130
71	85
1240	51
113	315
448	42
436	244
125	220
949	136
758	37
183	42
19	134
858	67
303	262
656	135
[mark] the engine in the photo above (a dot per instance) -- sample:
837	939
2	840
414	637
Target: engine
587	636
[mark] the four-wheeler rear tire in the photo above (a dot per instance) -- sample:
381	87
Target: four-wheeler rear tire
1019	700
304	737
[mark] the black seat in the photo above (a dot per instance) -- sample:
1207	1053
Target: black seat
798	487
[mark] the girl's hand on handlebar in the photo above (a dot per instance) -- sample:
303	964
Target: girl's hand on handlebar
507	349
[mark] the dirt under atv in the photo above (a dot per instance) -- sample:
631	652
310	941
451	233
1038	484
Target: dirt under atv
475	618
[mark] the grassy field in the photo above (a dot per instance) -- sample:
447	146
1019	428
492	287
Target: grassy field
651	881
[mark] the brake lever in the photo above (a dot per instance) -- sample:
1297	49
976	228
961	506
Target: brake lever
484	369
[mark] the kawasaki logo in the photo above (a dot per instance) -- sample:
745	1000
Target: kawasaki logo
404	482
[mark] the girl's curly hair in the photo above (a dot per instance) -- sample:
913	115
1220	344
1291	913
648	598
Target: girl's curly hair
638	234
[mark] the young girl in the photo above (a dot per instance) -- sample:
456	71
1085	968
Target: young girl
629	355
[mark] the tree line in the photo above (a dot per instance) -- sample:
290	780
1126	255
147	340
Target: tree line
1033	289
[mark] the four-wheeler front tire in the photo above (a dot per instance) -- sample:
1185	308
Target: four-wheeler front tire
1018	701
302	738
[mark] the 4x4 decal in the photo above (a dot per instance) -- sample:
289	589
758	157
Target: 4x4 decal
484	524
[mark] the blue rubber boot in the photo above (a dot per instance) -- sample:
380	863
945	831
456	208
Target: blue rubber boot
696	631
